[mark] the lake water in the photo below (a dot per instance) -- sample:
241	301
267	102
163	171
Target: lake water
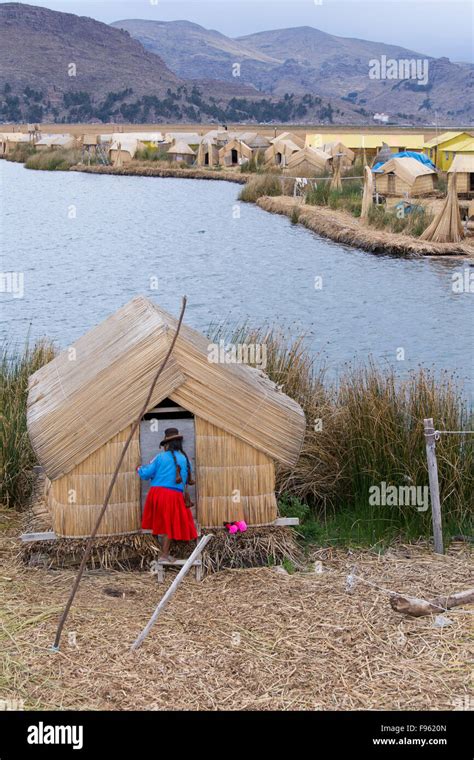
87	244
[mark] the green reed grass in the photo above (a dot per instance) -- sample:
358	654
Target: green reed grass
365	429
53	160
16	455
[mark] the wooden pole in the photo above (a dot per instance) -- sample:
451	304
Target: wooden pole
434	485
88	549
165	599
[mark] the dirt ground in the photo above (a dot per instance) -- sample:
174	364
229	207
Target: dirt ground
255	639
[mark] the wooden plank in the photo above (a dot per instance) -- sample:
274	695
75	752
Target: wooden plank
434	485
48	535
172	590
287	521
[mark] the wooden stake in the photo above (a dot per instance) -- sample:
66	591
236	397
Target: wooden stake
172	589
434	485
418	607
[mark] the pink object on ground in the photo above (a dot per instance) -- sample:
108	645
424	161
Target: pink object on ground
232	528
241	525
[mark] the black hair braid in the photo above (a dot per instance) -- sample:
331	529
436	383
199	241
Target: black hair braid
179	479
190	480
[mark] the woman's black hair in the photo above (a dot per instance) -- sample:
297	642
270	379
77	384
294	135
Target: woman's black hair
175	446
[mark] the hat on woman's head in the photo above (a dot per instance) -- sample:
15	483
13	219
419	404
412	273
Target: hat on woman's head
171	434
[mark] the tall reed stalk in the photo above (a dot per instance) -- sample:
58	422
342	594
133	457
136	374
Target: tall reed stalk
16	455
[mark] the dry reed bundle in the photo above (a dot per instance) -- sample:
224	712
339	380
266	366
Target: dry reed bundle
367	196
336	183
134	551
446	227
257	547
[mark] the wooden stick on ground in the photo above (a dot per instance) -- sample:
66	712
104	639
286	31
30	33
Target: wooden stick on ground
167	596
418	607
135	425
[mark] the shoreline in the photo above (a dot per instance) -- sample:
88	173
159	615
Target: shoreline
347	229
336	225
148	170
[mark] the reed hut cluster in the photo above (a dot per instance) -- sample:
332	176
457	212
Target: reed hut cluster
236	424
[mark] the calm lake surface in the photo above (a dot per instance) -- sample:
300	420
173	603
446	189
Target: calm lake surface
87	244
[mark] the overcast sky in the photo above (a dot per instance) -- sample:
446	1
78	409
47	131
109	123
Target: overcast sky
434	27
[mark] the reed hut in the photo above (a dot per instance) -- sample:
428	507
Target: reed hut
236	423
10	140
405	175
208	153
463	167
337	148
55	142
280	151
235	153
123	149
181	152
309	162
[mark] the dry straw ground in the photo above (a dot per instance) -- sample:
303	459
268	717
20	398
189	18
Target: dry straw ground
241	639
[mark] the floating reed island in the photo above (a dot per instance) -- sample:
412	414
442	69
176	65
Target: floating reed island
344	228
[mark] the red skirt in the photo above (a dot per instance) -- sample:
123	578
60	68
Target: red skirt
167	515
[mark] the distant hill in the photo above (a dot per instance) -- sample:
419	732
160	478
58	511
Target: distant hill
305	60
115	77
66	68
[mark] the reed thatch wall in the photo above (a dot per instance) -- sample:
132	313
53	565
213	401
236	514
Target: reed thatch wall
422	185
224	466
463	182
75	499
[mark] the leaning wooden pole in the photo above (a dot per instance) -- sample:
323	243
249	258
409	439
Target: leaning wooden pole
135	425
434	485
172	589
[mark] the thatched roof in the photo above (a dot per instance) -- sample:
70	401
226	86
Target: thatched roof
125	143
14	137
191	138
408	169
291	136
463	163
60	140
313	156
75	405
254	140
181	148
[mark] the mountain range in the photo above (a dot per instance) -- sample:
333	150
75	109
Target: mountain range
62	67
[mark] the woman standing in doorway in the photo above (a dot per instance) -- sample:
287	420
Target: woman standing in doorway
165	512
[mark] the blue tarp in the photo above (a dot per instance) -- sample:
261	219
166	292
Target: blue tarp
407	154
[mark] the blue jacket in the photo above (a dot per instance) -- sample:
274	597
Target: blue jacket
162	470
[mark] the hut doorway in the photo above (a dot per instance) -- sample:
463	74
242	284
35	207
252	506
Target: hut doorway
206	159
152	427
234	157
